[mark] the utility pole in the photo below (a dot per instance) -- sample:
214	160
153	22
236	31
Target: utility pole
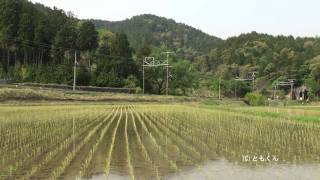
73	134
75	71
153	63
235	90
274	92
143	76
253	77
291	84
167	83
219	88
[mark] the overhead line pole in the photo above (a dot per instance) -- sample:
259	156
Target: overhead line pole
219	87
253	77
143	76
152	62
75	71
291	85
167	82
167	89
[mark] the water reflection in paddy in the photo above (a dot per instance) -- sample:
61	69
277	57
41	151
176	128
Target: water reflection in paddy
224	170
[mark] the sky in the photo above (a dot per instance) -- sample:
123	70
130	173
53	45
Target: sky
221	18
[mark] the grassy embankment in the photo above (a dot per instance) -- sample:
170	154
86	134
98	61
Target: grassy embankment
30	95
301	113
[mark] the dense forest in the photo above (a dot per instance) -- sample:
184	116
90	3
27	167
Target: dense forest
184	40
40	44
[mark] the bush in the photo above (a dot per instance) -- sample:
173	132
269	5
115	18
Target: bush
131	82
255	99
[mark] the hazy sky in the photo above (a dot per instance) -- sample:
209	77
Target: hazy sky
222	18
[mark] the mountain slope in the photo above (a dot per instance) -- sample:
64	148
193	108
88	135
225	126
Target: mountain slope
154	30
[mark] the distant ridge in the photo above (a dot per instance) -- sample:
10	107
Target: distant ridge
155	31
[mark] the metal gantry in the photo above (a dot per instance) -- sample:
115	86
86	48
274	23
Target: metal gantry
252	76
290	83
153	63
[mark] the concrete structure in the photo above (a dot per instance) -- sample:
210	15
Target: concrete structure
4	81
300	93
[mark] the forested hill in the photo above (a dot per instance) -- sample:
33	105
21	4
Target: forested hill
156	31
39	44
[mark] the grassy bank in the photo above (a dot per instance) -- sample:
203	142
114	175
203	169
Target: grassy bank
27	94
12	95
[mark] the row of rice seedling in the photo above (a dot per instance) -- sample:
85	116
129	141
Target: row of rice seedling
30	153
87	161
253	134
24	130
145	153
159	149
183	135
163	139
185	152
110	150
173	154
54	137
171	131
72	154
129	162
171	138
20	159
63	146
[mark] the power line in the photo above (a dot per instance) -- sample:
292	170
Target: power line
35	44
152	62
252	77
167	83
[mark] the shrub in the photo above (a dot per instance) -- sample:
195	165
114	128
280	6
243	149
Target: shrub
255	99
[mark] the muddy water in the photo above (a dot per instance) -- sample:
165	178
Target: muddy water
282	151
224	170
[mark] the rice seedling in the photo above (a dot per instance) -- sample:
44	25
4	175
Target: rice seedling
87	161
172	165
130	167
70	141
145	153
108	160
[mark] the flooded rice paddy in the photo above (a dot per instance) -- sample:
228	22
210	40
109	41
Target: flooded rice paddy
157	142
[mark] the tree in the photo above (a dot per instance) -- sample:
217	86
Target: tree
185	77
42	36
313	81
26	33
121	56
142	52
9	18
9	25
116	62
87	37
65	40
83	76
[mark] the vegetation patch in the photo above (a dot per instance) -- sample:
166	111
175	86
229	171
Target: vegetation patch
142	141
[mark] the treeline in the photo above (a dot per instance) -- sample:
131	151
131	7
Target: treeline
34	36
184	40
39	44
274	58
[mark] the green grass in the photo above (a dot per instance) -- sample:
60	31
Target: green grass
307	118
28	94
